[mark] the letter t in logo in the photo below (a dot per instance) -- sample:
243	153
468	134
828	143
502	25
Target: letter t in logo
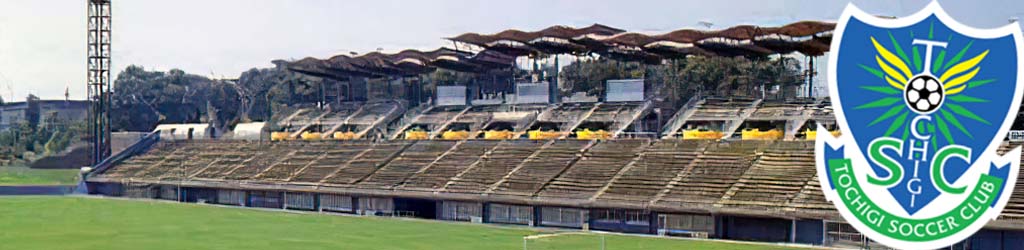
928	44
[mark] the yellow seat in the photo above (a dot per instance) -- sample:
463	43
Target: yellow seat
696	134
279	136
756	134
349	135
498	135
811	135
416	135
311	136
544	135
455	135
587	134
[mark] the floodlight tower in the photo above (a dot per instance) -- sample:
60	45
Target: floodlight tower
98	76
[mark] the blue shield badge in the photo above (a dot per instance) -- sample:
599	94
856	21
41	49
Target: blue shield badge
924	103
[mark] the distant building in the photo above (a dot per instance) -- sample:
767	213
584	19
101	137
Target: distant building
43	112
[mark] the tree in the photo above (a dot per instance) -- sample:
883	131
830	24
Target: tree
142	99
677	80
590	75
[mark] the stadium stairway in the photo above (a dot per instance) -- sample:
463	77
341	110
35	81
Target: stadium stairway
444	126
662	163
260	161
678	119
334	128
621	124
220	167
708	177
381	154
775	178
735	123
810	200
451	165
334	160
586	115
594	170
495	166
299	158
376	116
308	124
539	169
132	166
420	155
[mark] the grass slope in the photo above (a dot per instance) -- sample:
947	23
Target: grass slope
29	176
88	223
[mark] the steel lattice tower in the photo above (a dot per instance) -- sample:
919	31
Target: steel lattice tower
99	39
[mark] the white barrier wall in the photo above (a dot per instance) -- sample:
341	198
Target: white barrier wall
625	90
451	96
249	131
532	92
190	131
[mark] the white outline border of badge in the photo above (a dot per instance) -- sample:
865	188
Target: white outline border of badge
846	139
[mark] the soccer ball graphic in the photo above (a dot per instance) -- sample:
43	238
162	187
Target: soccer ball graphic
924	94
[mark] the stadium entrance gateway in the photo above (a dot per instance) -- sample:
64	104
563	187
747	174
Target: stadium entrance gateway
868	211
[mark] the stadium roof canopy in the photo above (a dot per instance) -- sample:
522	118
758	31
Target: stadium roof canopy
499	50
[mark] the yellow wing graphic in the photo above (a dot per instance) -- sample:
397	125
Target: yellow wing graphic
960	68
900	77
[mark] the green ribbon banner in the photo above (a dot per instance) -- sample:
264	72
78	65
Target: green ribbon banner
907	229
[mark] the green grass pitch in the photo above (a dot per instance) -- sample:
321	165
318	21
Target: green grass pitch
93	223
28	176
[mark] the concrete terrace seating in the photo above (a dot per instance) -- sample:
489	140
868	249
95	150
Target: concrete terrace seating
418	156
599	164
366	164
192	158
263	158
811	200
653	171
711	175
777	110
716	108
461	158
229	161
372	112
775	178
1014	209
477	116
336	158
567	112
134	165
439	115
303	155
503	159
613	112
541	168
745	176
307	117
339	113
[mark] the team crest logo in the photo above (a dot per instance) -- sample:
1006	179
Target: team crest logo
923	103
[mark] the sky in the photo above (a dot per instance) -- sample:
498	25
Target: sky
42	43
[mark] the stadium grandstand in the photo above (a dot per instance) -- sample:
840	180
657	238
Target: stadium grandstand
504	150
